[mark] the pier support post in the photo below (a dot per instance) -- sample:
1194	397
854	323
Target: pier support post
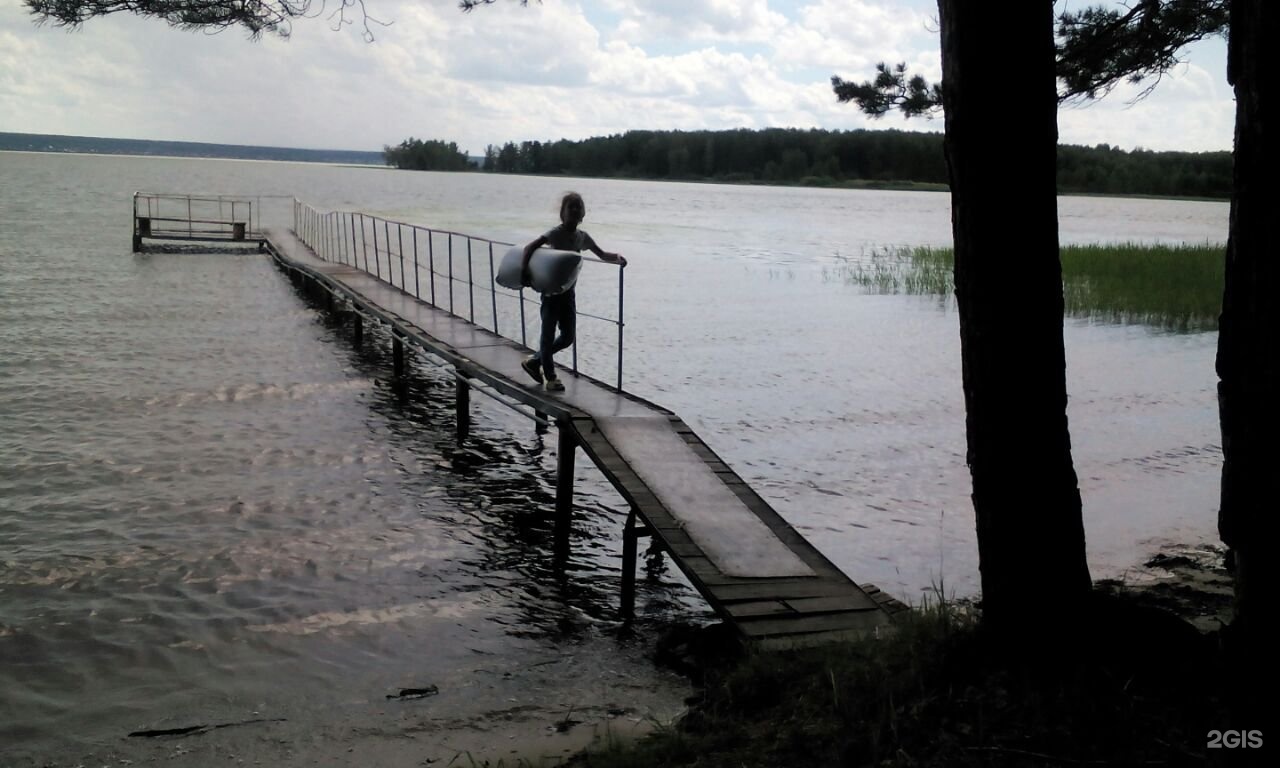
629	536
567	446
462	400
397	357
357	327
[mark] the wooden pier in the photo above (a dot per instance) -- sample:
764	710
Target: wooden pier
200	218
754	569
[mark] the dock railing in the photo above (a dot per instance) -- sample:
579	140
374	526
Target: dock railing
159	216
441	268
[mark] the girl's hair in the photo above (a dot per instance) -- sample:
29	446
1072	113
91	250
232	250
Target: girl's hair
570	197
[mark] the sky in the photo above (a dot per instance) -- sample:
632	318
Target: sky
558	69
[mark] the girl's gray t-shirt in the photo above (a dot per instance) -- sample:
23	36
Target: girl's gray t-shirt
563	239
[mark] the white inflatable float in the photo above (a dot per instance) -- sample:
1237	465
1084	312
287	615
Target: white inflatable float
550	271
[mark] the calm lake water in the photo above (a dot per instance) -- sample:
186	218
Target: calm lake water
214	509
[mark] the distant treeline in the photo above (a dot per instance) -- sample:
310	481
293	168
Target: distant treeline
417	155
817	157
1113	171
769	155
39	142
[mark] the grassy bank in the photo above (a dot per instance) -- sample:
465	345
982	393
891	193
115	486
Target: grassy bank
1139	688
1175	287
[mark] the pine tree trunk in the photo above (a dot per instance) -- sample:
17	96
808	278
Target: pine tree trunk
1000	99
1249	353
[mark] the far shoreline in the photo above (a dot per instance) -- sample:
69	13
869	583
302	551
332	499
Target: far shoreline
821	183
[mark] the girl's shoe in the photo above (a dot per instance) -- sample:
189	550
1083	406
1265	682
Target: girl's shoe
533	368
554	385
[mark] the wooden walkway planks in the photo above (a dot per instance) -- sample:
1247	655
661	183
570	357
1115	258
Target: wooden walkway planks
774	612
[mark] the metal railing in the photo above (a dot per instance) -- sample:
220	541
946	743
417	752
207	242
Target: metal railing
437	267
195	217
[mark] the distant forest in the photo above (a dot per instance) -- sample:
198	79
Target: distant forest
818	158
40	142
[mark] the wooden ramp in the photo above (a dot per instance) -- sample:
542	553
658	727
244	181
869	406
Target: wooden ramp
752	567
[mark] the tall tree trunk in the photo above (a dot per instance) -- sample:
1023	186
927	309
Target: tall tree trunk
1000	99
1249	354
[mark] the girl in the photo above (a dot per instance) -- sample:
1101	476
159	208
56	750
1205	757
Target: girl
560	309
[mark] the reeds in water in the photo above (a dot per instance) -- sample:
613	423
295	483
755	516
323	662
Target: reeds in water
1174	287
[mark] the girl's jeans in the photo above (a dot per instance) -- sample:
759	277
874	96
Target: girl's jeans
562	310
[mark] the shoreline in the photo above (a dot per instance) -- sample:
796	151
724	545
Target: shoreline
1189	582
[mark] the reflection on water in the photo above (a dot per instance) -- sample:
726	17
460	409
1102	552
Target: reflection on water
215	507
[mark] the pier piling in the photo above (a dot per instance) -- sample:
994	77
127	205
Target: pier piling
462	400
566	447
397	357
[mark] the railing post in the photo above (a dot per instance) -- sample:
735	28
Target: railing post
340	223
471	281
351	227
137	238
451	274
431	263
350	249
417	277
567	445
377	260
493	290
364	244
524	335
386	235
404	284
621	272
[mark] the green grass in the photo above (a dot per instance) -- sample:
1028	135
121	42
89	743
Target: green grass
938	692
1174	287
1177	287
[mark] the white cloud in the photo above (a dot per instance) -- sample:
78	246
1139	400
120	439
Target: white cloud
506	73
1190	109
738	21
853	35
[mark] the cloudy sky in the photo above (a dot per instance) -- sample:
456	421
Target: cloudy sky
562	69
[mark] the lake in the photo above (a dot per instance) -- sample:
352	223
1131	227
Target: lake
214	508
